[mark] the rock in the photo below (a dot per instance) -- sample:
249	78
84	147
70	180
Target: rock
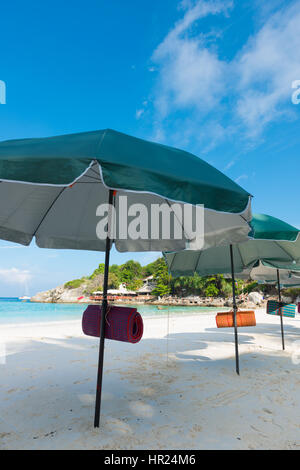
255	297
250	305
60	295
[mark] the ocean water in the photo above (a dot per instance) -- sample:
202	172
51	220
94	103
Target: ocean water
13	310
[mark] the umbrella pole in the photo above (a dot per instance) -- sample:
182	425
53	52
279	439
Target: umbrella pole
237	361
103	319
280	310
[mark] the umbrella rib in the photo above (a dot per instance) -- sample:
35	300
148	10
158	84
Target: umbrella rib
241	255
94	170
196	265
170	267
48	210
291	257
182	225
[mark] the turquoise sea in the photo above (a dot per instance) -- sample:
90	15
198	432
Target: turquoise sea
12	310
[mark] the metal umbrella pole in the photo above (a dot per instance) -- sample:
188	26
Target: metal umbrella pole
237	361
280	310
103	315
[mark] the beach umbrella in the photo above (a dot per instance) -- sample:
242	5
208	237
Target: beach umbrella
51	190
274	242
283	278
55	190
279	277
68	176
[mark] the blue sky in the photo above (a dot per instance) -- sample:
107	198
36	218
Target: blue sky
214	78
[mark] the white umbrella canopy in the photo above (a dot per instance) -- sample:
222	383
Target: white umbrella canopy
265	274
66	218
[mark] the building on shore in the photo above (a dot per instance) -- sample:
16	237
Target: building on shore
148	285
122	293
115	294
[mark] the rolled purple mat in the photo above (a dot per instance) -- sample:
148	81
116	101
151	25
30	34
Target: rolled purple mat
122	323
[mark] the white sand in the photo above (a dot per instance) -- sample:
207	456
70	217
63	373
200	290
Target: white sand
193	400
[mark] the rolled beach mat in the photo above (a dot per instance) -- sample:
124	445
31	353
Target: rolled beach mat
122	323
225	319
288	310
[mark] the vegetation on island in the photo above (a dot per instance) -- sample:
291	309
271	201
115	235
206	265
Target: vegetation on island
132	274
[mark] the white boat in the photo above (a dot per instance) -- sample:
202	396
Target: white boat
25	298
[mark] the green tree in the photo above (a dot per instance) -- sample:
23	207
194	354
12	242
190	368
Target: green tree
99	270
130	272
113	281
75	283
151	268
136	284
211	290
250	287
226	287
115	269
161	277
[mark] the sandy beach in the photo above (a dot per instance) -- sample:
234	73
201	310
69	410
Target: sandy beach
176	389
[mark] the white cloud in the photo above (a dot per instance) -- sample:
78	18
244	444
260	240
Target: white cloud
15	275
229	165
53	255
240	178
139	113
10	247
193	77
190	73
266	68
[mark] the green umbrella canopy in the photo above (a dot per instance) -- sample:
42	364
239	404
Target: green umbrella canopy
266	227
126	163
275	243
51	187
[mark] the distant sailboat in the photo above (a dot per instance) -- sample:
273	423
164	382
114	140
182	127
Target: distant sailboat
24	298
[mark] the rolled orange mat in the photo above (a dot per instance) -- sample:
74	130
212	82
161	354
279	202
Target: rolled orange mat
225	319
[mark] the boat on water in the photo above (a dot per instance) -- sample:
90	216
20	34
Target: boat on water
24	298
